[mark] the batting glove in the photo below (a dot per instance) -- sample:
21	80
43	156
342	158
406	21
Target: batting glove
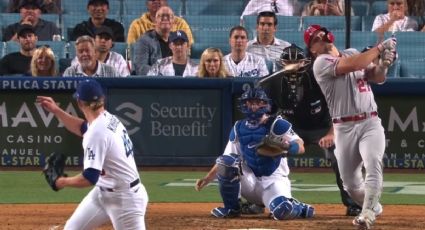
387	58
389	44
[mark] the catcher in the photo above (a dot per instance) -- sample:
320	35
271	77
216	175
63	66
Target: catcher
298	98
254	163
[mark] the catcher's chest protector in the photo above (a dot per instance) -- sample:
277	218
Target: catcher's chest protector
248	139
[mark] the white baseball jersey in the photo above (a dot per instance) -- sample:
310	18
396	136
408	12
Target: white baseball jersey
115	60
164	67
250	66
118	196
108	148
358	97
269	52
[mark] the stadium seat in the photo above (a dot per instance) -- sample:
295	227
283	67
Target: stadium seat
137	7
360	8
362	39
211	23
218	39
412	68
56	46
284	23
410	45
378	7
214	7
333	23
120	47
367	22
296	37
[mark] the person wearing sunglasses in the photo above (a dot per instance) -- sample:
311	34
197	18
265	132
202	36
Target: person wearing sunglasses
396	19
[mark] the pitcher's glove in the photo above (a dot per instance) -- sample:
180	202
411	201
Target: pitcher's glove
275	146
54	168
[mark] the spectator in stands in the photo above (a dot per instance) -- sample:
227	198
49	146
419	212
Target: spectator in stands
18	63
417	9
47	6
43	63
325	8
153	45
30	14
179	64
239	62
266	44
98	10
212	64
89	66
148	20
396	19
103	45
279	7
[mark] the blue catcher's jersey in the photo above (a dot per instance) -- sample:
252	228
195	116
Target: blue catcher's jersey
250	137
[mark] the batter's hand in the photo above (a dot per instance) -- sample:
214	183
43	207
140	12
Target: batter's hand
201	183
47	103
389	44
326	141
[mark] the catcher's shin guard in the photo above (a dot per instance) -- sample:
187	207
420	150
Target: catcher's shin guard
229	182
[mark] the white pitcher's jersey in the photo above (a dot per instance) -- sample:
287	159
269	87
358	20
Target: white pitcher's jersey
358	97
250	66
108	148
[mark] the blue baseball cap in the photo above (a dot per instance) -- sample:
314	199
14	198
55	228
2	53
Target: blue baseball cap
178	35
89	90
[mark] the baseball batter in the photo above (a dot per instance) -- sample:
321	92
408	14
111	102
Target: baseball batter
241	63
344	78
242	171
109	164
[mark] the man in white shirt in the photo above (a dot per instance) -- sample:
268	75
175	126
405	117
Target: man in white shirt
89	66
266	44
280	7
103	44
179	64
241	63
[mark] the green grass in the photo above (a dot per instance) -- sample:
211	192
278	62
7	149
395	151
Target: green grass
31	187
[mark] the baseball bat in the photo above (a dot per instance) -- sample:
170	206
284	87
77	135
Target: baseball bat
286	69
387	63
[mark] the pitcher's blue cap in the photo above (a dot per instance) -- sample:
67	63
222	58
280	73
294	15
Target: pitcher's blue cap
89	90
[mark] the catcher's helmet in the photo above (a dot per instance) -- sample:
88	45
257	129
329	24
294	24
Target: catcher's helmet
294	54
256	93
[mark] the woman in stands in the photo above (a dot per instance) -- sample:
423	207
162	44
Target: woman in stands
396	19
212	65
43	63
325	8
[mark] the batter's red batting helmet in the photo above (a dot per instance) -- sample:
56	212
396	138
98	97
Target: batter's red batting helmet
311	31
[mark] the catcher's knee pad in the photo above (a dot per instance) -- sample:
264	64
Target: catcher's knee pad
228	180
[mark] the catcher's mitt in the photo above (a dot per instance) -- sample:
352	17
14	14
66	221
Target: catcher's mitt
55	165
272	147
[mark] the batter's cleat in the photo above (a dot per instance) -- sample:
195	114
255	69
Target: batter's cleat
365	220
353	211
378	209
251	209
308	211
221	212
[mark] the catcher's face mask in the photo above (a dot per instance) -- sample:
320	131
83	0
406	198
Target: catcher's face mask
254	103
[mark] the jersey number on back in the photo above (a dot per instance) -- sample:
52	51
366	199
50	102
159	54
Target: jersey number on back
128	145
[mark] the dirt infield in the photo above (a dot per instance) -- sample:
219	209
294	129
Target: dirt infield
196	216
